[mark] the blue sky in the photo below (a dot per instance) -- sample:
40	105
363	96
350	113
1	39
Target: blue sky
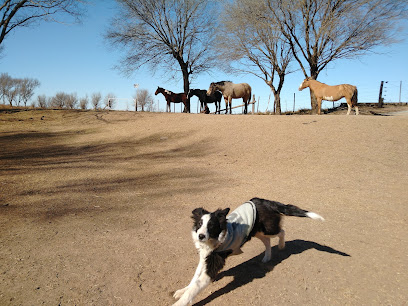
74	58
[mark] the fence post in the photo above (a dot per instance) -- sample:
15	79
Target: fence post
380	98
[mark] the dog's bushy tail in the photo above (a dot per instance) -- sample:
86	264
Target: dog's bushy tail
292	210
288	209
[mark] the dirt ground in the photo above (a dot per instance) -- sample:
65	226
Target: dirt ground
95	206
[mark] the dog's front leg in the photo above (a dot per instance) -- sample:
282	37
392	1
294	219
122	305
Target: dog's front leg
197	273
193	289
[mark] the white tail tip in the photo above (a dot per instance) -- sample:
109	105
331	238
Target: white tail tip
314	216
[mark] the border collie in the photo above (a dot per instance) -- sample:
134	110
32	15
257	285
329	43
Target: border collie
217	236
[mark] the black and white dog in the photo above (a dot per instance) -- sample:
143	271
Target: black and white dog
217	236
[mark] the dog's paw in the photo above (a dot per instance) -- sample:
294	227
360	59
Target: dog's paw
266	259
182	302
179	293
178	303
281	246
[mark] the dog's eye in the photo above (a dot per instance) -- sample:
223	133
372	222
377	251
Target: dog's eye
199	223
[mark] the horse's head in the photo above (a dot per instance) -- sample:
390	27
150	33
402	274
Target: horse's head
158	90
211	89
191	93
304	84
206	110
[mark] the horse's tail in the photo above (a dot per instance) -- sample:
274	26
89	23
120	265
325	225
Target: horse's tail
354	98
249	93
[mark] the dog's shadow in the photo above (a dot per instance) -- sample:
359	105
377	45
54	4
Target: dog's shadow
254	268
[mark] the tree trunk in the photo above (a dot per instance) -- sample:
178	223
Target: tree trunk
278	110
313	100
186	86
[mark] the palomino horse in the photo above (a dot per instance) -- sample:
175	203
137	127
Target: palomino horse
173	97
332	93
232	91
205	99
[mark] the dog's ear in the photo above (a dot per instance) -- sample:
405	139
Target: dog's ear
222	213
225	211
198	213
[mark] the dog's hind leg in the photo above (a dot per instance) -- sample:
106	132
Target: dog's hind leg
281	236
266	239
267	242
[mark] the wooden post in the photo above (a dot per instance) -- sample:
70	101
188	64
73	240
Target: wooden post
380	98
400	92
257	108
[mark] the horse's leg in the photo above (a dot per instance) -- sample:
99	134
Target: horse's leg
348	106
230	104
226	104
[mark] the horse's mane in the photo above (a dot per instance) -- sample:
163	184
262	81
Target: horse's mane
222	82
310	79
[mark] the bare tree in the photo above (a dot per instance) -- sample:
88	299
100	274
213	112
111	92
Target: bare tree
17	90
60	100
144	99
320	31
23	13
42	101
109	100
71	101
83	102
251	44
171	34
11	90
6	83
96	99
26	89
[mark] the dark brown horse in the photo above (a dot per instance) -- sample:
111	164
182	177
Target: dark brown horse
331	93
174	97
205	99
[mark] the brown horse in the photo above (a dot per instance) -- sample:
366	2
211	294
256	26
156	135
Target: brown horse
232	91
331	93
173	97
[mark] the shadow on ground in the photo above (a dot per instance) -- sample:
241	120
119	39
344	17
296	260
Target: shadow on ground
71	173
254	269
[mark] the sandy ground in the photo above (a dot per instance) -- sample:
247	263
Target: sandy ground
95	207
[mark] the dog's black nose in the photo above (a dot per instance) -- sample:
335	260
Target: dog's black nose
201	236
